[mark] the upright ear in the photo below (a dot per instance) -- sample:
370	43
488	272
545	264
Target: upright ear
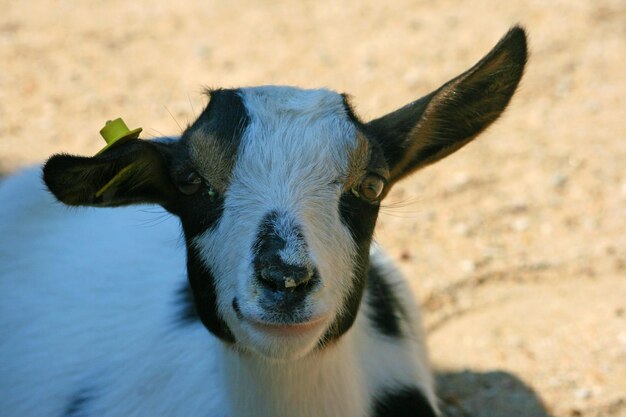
134	172
438	124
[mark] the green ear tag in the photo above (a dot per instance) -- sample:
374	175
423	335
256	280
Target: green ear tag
115	132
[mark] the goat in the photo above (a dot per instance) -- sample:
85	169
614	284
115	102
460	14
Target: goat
277	190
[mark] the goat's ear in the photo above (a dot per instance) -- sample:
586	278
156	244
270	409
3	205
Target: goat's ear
134	172
438	124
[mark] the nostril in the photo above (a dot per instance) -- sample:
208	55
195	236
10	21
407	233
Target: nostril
284	278
270	278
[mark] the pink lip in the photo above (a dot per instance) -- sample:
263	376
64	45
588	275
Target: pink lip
287	329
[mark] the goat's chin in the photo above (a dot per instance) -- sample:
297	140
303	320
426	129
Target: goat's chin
282	353
275	346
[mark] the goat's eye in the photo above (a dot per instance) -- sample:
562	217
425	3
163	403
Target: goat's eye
191	184
370	188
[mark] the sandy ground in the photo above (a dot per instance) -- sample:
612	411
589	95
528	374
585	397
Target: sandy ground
516	245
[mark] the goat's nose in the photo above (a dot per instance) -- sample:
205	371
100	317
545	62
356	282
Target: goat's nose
285	278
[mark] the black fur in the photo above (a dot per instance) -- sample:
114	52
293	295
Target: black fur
402	402
359	217
386	311
269	242
76	180
198	212
201	278
225	118
443	121
393	129
202	284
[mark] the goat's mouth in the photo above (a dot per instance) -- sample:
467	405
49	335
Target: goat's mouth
280	326
287	329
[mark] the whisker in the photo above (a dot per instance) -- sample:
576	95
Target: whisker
161	134
407	215
155	221
402	202
173	118
193	111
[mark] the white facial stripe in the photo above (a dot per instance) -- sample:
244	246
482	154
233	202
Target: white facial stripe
296	146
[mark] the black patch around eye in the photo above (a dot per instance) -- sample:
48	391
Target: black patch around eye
360	218
386	310
191	183
76	406
225	118
198	212
402	402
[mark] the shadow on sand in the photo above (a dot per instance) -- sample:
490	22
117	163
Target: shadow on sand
488	394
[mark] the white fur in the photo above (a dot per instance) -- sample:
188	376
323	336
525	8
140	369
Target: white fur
88	296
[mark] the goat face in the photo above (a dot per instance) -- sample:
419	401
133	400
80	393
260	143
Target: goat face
293	230
278	190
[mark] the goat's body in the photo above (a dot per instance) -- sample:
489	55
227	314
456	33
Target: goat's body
94	322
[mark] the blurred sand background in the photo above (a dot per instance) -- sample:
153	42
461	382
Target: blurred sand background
516	245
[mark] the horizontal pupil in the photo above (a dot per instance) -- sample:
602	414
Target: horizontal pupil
372	188
193	178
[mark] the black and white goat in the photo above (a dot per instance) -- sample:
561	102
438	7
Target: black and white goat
277	190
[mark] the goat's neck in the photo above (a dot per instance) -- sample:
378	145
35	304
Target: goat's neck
325	383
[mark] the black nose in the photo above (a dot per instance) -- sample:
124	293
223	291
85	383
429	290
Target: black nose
284	278
283	272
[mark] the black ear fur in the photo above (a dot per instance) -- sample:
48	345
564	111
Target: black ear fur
134	172
440	123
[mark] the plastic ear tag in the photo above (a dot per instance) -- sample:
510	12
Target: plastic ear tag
115	132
